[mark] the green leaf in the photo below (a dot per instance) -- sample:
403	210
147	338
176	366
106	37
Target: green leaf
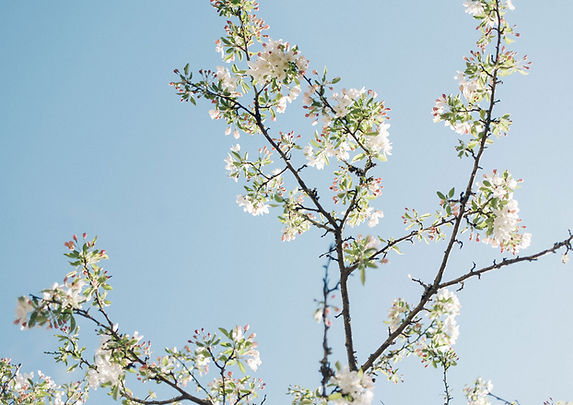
441	196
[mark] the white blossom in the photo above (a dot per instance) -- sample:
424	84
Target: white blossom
469	88
443	312
501	186
474	7
70	294
251	206
510	5
105	371
375	218
23	308
319	160
399	307
477	394
356	384
439	108
344	100
228	82
276	61
460	127
379	143
254	361
214	114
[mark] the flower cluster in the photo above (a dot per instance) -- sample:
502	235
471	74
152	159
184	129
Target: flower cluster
105	371
397	314
501	210
58	304
26	388
227	81
435	347
356	387
277	61
296	222
70	294
344	100
477	394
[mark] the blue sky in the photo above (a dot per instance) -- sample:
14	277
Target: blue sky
93	139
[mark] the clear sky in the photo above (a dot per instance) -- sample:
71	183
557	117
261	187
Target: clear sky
93	139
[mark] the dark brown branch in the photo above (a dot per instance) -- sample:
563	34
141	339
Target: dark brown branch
508	262
433	289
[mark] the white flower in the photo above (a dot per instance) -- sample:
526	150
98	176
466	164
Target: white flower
510	5
564	258
276	61
293	94
254	208
469	88
399	307
219	48
214	114
356	384
505	221
23	308
345	99
439	108
281	105
228	82
318	161
460	127
474	7
254	361
477	395
237	333
105	371
379	143
21	380
448	302
375	218
201	361
500	186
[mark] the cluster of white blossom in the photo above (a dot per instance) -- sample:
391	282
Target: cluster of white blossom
253	356
23	308
252	206
292	95
443	312
374	216
345	99
504	231
477	394
396	314
230	163
228	82
105	371
462	127
379	143
357	387
474	8
277	61
70	294
472	88
328	149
